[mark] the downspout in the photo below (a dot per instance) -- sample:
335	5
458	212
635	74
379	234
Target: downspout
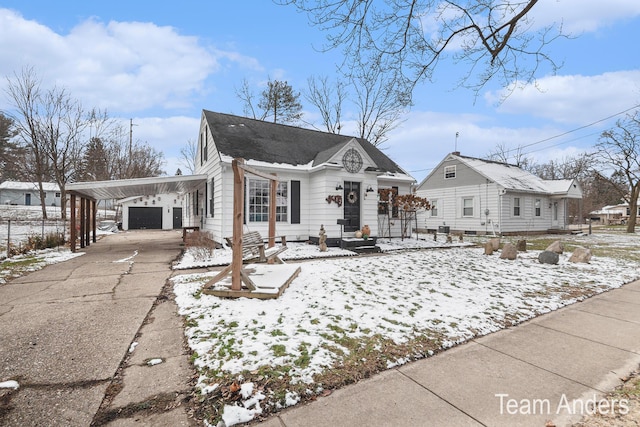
500	212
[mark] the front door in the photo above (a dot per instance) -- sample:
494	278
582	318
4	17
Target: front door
352	205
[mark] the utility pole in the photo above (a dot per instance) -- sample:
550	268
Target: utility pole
130	147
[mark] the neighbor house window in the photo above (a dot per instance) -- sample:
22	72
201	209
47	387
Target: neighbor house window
449	172
467	206
516	206
538	207
57	194
259	201
434	208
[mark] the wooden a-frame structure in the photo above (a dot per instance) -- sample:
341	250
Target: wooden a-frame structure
238	275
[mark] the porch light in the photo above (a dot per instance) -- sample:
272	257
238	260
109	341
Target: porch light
338	187
370	189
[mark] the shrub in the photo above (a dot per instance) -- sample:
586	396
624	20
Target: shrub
200	244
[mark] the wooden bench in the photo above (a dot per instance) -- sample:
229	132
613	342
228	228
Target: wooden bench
253	249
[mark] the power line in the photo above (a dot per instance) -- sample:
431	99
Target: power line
574	130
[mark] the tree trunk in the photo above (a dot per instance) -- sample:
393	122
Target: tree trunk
633	209
43	202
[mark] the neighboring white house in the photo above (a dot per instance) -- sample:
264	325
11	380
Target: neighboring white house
475	196
612	214
323	177
28	193
152	212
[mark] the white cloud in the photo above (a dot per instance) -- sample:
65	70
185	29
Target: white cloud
122	66
574	99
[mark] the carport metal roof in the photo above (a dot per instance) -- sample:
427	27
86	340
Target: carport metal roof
122	188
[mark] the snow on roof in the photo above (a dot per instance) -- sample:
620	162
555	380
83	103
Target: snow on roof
29	186
514	178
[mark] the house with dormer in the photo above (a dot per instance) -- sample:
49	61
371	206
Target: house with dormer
324	179
477	196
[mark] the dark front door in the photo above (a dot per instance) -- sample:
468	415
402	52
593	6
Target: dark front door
177	218
145	218
352	205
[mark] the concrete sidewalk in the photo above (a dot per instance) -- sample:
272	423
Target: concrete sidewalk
522	376
66	331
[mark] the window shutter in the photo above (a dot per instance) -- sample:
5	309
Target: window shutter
295	202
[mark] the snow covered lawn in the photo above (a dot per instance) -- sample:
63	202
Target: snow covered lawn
20	264
347	318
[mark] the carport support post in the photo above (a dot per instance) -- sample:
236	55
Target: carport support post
72	226
87	227
94	217
238	213
82	222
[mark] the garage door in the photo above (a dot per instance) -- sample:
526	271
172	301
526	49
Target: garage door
145	218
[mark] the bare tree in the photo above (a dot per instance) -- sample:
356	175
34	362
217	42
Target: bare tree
188	155
61	126
619	150
410	38
248	98
328	98
23	91
501	153
381	99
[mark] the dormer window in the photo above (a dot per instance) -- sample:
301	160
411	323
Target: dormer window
449	172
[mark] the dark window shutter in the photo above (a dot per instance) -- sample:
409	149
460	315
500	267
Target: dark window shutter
295	202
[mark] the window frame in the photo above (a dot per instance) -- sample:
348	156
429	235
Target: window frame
465	207
434	208
517	207
537	208
258	210
448	174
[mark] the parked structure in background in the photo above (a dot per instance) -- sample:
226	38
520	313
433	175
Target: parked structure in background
28	193
152	212
612	214
475	196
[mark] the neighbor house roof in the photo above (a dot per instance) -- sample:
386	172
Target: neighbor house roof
514	178
251	139
28	186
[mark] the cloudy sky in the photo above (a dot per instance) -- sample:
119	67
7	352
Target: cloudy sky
161	63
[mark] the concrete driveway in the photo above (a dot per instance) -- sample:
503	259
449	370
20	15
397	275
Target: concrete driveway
66	332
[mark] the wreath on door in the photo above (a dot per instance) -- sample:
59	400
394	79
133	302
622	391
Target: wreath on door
352	197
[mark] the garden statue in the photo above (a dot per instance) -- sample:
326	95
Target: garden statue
322	241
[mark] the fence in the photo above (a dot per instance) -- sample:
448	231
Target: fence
16	235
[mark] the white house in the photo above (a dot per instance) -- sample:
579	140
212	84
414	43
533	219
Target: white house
323	177
28	193
475	196
153	212
613	214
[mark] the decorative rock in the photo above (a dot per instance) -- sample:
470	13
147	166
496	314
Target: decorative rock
521	245
488	248
581	254
495	242
556	247
509	252
548	257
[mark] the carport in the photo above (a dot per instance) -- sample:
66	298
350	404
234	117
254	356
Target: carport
83	218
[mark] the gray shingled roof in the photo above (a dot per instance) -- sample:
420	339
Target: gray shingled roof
251	139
